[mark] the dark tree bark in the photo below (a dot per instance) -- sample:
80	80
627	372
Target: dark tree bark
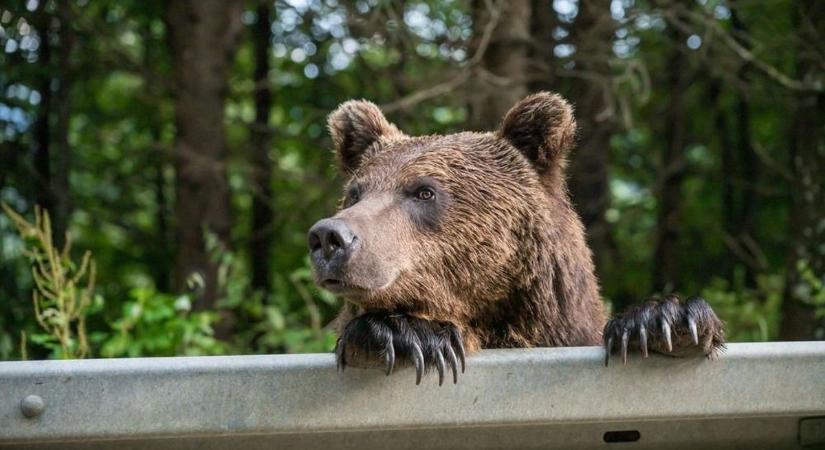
593	36
739	170
543	19
52	154
807	215
42	128
728	168
63	102
666	270
745	174
202	38
161	255
502	80
260	242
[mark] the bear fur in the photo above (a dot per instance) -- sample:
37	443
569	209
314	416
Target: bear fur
447	244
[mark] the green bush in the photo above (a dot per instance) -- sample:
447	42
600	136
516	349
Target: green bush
750	314
153	323
157	324
63	289
276	321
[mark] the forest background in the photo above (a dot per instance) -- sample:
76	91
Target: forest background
181	147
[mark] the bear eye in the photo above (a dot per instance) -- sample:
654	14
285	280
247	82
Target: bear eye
425	194
352	197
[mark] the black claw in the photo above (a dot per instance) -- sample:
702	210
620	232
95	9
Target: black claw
390	356
625	337
451	358
418	358
439	364
694	334
384	338
643	340
458	343
666	332
608	348
339	355
665	326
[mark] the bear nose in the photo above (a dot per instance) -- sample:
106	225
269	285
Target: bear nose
332	237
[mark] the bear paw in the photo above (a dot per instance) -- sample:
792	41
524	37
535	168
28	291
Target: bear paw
669	327
394	339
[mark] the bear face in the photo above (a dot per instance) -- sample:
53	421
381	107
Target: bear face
450	243
427	223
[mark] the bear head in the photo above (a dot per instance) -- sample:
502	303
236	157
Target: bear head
427	223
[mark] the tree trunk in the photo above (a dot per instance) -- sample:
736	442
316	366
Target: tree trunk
747	175
807	214
588	180
260	242
543	19
727	167
42	128
502	78
202	38
161	256
61	190
666	275
739	171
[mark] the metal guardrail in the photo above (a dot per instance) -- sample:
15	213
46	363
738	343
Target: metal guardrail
766	395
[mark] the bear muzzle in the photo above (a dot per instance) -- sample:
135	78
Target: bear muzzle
332	243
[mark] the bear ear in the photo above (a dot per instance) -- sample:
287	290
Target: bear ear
355	126
543	128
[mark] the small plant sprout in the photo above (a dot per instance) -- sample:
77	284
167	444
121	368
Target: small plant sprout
63	290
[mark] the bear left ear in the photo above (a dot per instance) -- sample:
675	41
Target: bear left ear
543	128
355	126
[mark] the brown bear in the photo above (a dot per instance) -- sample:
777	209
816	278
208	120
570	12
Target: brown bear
447	244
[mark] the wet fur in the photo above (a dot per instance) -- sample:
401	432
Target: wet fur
504	260
543	294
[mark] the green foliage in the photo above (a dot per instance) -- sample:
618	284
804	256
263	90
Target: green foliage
152	323
156	324
753	314
811	288
275	322
121	139
63	290
750	314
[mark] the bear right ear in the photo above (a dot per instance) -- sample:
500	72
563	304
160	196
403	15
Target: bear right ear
355	126
543	128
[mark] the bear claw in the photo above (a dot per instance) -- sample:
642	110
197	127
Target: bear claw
390	357
458	342
339	355
669	327
418	357
397	339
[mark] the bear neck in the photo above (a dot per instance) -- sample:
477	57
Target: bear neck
555	301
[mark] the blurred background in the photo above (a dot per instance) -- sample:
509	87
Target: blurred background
181	147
